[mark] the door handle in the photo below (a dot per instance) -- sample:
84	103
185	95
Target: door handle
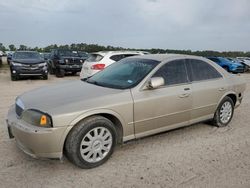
184	95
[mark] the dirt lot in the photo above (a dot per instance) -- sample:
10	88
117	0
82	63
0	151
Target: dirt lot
195	156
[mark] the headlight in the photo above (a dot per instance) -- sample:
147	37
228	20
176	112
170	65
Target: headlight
42	64
66	60
37	118
16	64
81	61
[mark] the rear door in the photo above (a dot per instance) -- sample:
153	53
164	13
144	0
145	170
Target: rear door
208	86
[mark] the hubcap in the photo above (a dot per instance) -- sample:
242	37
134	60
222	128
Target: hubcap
96	144
225	112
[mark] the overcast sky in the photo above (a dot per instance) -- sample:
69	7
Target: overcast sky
172	24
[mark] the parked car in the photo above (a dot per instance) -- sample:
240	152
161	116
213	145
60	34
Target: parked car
9	57
46	56
235	60
135	97
245	61
228	65
63	61
100	60
83	55
27	63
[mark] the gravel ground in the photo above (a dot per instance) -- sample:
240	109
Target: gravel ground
196	156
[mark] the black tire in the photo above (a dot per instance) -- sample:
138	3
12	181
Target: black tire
60	73
14	77
217	120
79	132
51	70
45	77
73	73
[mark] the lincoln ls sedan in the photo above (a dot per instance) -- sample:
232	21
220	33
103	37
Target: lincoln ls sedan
133	98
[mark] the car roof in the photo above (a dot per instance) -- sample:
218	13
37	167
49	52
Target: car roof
165	57
25	51
103	53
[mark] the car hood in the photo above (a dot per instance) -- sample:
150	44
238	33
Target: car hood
237	64
67	97
28	61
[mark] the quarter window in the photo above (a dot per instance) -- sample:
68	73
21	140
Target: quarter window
173	72
199	70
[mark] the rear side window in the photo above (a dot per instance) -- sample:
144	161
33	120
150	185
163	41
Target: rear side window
116	57
199	70
121	56
94	58
173	72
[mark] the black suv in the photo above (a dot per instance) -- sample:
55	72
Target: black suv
27	63
63	61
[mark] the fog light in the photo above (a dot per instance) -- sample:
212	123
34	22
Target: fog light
13	71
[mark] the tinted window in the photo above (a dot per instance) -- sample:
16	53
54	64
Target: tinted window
116	57
94	58
200	70
121	56
173	72
27	55
124	74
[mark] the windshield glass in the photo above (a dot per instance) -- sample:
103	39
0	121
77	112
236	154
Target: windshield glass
27	55
94	58
68	53
123	74
83	54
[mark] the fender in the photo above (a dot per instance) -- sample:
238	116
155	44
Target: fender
227	93
85	115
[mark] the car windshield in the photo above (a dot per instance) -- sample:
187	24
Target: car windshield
94	58
83	54
27	55
68	53
123	74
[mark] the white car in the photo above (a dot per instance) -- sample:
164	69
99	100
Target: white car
100	60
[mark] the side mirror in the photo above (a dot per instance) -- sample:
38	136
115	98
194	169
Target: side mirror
155	82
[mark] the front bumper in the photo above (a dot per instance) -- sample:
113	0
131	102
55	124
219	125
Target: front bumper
71	68
29	71
35	141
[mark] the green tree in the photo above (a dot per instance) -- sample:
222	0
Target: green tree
23	47
2	48
12	47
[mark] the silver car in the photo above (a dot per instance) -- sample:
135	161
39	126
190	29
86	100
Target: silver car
133	98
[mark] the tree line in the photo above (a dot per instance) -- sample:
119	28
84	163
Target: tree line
95	47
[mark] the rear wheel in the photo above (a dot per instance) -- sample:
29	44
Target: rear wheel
224	112
91	142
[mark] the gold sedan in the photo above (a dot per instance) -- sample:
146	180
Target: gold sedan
133	98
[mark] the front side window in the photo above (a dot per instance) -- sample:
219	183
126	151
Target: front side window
199	70
173	72
124	74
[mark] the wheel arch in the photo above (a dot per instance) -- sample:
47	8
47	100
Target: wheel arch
114	117
231	94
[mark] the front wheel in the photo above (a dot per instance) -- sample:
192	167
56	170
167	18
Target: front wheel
91	142
224	112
